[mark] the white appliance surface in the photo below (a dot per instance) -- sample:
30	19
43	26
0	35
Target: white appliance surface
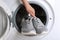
53	35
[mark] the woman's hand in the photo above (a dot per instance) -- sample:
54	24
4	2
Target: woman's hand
29	8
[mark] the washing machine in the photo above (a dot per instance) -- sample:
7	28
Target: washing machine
12	11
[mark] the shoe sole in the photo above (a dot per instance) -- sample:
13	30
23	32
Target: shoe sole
44	32
31	33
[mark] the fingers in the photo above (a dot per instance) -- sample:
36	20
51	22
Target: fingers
33	12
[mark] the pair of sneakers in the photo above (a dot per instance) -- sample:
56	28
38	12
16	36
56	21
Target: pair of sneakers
32	26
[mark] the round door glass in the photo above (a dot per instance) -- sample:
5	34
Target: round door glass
3	22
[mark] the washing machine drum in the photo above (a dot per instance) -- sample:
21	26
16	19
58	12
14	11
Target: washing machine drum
3	22
43	11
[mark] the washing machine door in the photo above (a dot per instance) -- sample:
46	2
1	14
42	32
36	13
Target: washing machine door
4	20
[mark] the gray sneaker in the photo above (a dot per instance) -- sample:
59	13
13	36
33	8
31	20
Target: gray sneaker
39	26
27	27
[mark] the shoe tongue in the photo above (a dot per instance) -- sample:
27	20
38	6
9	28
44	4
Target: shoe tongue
35	18
29	18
